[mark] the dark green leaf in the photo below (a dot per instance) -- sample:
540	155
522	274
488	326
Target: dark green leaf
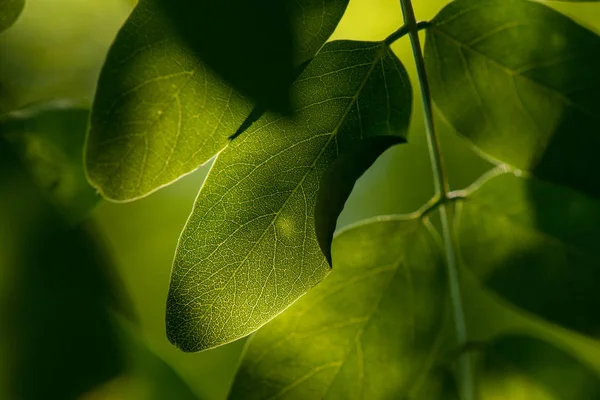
159	112
249	247
9	12
50	143
57	296
521	82
524	368
536	245
249	43
367	332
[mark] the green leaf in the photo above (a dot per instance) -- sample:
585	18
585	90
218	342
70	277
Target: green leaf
249	44
58	293
521	82
368	331
50	143
9	12
159	113
249	249
536	245
519	367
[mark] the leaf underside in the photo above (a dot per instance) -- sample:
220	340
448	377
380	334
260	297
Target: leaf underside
521	82
249	249
368	331
535	244
159	112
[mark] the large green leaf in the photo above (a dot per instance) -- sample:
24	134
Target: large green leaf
521	82
369	331
9	12
159	112
520	367
50	143
57	295
535	244
249	247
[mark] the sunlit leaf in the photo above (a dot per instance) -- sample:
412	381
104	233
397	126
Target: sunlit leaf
58	293
521	82
519	367
159	113
249	248
536	245
9	12
50	143
368	331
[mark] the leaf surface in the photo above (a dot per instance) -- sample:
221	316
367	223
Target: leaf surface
521	82
520	367
535	244
249	249
368	331
9	12
159	112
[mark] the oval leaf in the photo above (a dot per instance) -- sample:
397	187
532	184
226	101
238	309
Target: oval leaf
368	331
536	245
159	113
9	12
249	249
521	82
520	367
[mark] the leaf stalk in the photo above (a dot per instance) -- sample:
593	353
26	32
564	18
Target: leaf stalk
442	195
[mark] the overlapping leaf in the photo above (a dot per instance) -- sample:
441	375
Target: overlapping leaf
535	244
159	112
9	12
369	331
521	82
249	248
520	367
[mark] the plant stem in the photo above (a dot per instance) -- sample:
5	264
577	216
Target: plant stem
442	194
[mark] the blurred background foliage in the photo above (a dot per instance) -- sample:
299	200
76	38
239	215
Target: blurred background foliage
49	63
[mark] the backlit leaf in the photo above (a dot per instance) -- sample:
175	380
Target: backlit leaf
535	244
519	367
9	12
368	331
249	247
159	112
521	82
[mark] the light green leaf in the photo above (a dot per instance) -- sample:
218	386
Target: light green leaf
50	143
521	82
249	248
370	330
159	113
9	12
535	244
518	367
